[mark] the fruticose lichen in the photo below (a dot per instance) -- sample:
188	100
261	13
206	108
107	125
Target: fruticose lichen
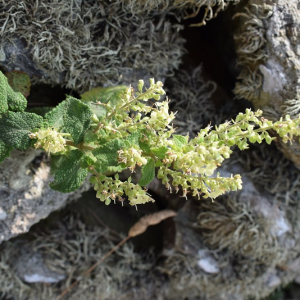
251	51
191	99
68	250
181	9
83	44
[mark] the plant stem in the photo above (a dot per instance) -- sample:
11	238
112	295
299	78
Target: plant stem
81	146
130	102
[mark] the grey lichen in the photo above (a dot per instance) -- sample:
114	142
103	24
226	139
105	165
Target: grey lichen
68	250
250	240
83	44
191	98
268	52
181	9
251	51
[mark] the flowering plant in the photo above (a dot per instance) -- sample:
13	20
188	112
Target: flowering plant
112	129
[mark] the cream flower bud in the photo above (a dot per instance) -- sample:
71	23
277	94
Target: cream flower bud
49	139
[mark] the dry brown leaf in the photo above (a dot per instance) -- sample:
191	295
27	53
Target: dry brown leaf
153	219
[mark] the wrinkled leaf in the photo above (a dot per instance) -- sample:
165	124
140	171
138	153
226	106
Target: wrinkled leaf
3	93
69	175
145	147
4	151
102	95
15	128
76	118
55	116
71	116
148	173
132	139
90	137
107	155
16	101
160	152
88	159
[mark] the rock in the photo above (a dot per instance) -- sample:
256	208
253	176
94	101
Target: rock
60	254
3	214
25	195
267	42
207	263
32	269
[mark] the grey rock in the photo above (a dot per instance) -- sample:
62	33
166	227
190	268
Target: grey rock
25	195
31	268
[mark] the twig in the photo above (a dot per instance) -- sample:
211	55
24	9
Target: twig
137	229
93	267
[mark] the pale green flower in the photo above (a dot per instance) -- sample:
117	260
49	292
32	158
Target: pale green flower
49	139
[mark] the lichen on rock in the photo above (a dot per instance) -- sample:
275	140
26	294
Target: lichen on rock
268	52
83	44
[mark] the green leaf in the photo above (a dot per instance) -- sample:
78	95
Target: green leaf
88	159
16	101
103	95
145	147
99	110
56	161
4	151
159	163
10	99
71	116
55	116
15	128
148	172
90	137
160	152
132	139
69	175
77	119
107	155
180	140
19	82
3	93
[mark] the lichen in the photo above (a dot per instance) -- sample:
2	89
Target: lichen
251	43
181	9
191	98
69	249
252	235
86	44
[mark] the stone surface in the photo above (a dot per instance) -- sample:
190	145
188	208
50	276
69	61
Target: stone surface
25	195
31	268
267	39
